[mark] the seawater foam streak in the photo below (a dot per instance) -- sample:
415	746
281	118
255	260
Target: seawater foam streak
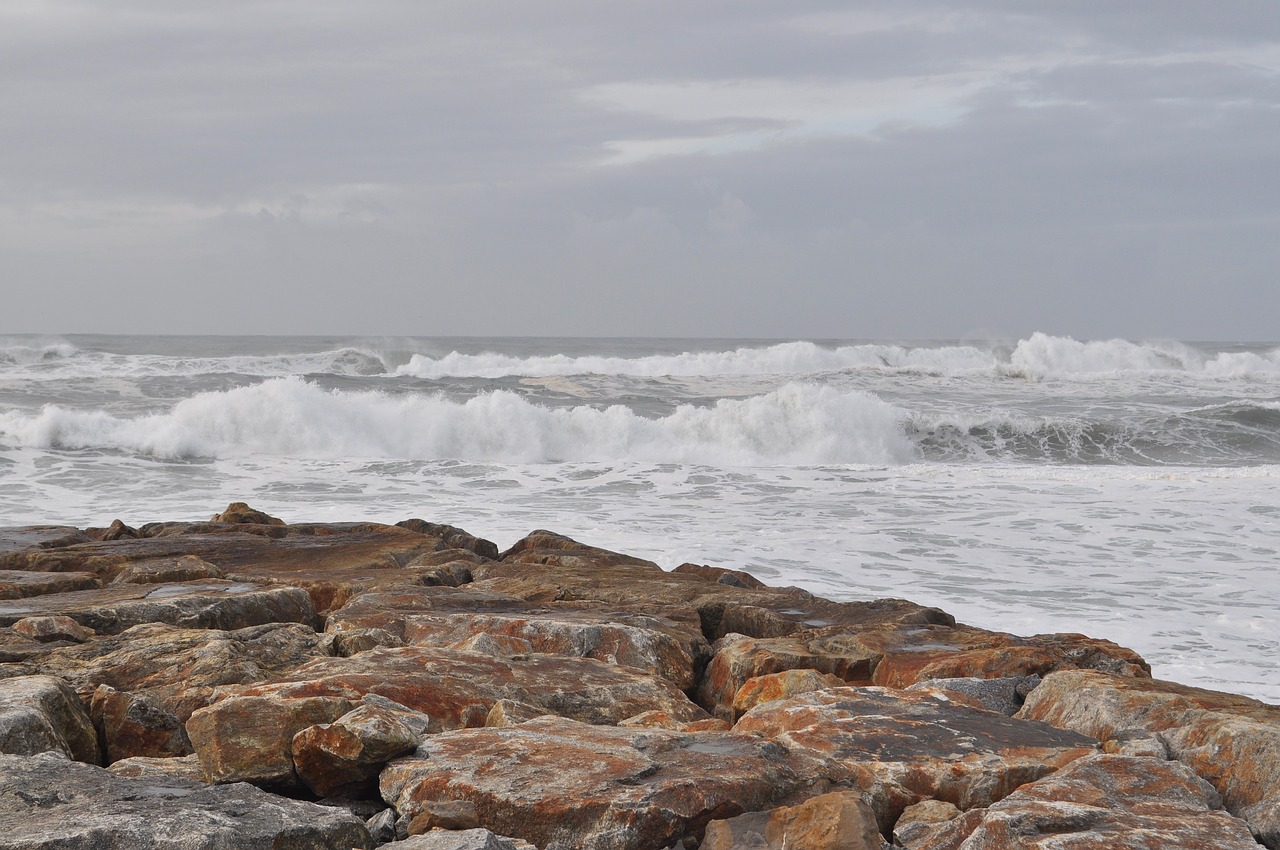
65	361
1039	356
797	424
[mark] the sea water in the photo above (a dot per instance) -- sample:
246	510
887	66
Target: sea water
1127	490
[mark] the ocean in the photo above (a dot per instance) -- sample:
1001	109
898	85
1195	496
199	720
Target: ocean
1126	490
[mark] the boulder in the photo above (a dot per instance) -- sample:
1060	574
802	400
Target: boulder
721	575
452	538
177	669
772	686
52	628
1005	695
1232	741
836	821
239	512
456	688
901	747
1118	802
921	821
209	604
41	714
562	784
146	767
466	839
343	758
130	725
387	609
48	803
166	570
510	712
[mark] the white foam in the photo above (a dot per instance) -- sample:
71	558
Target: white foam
1041	355
25	352
796	424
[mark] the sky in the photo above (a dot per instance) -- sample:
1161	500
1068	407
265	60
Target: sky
700	168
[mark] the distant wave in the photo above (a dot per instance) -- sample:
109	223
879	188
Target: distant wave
797	424
74	363
1044	356
27	353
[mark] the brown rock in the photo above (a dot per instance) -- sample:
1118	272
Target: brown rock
503	646
52	628
720	575
451	537
510	712
664	720
343	758
146	767
836	821
387	609
1232	741
901	747
177	669
19	584
921	821
738	658
249	739
444	814
466	839
116	531
633	640
165	570
131	726
207	604
41	713
1099	801
239	512
560	784
457	689
772	686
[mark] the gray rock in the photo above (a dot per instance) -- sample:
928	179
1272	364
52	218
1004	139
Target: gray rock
47	802
467	839
42	713
1004	695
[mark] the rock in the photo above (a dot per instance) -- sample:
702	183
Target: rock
739	658
130	725
39	537
510	712
355	641
451	537
41	713
900	747
249	739
1004	695
1232	741
503	646
387	609
559	784
344	758
52	628
633	640
1135	742
457	689
382	827
177	669
239	512
145	767
444	814
19	584
920	821
209	604
1100	801
720	575
664	720
467	839
835	821
772	686
47	802
116	531
166	570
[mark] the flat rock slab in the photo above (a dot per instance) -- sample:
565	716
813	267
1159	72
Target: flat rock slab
457	688
1101	801
1230	740
41	714
19	584
48	802
561	784
900	747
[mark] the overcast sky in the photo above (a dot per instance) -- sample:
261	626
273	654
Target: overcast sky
738	168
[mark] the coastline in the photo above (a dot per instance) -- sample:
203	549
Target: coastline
420	682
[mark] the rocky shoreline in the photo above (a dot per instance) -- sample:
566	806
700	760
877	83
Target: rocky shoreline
247	683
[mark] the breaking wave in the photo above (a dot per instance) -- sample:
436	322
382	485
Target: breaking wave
27	353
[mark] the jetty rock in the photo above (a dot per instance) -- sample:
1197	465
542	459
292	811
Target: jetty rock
251	682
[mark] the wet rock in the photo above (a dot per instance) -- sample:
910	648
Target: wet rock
1099	801
633	640
344	758
457	689
177	669
41	713
739	658
130	725
209	604
47	802
166	570
20	584
1232	741
52	628
249	739
835	821
772	686
147	767
1004	695
901	747
628	789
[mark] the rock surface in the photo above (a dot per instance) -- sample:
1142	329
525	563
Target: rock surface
835	821
40	714
48	802
342	758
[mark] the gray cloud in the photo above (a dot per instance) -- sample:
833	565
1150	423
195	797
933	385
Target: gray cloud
719	168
